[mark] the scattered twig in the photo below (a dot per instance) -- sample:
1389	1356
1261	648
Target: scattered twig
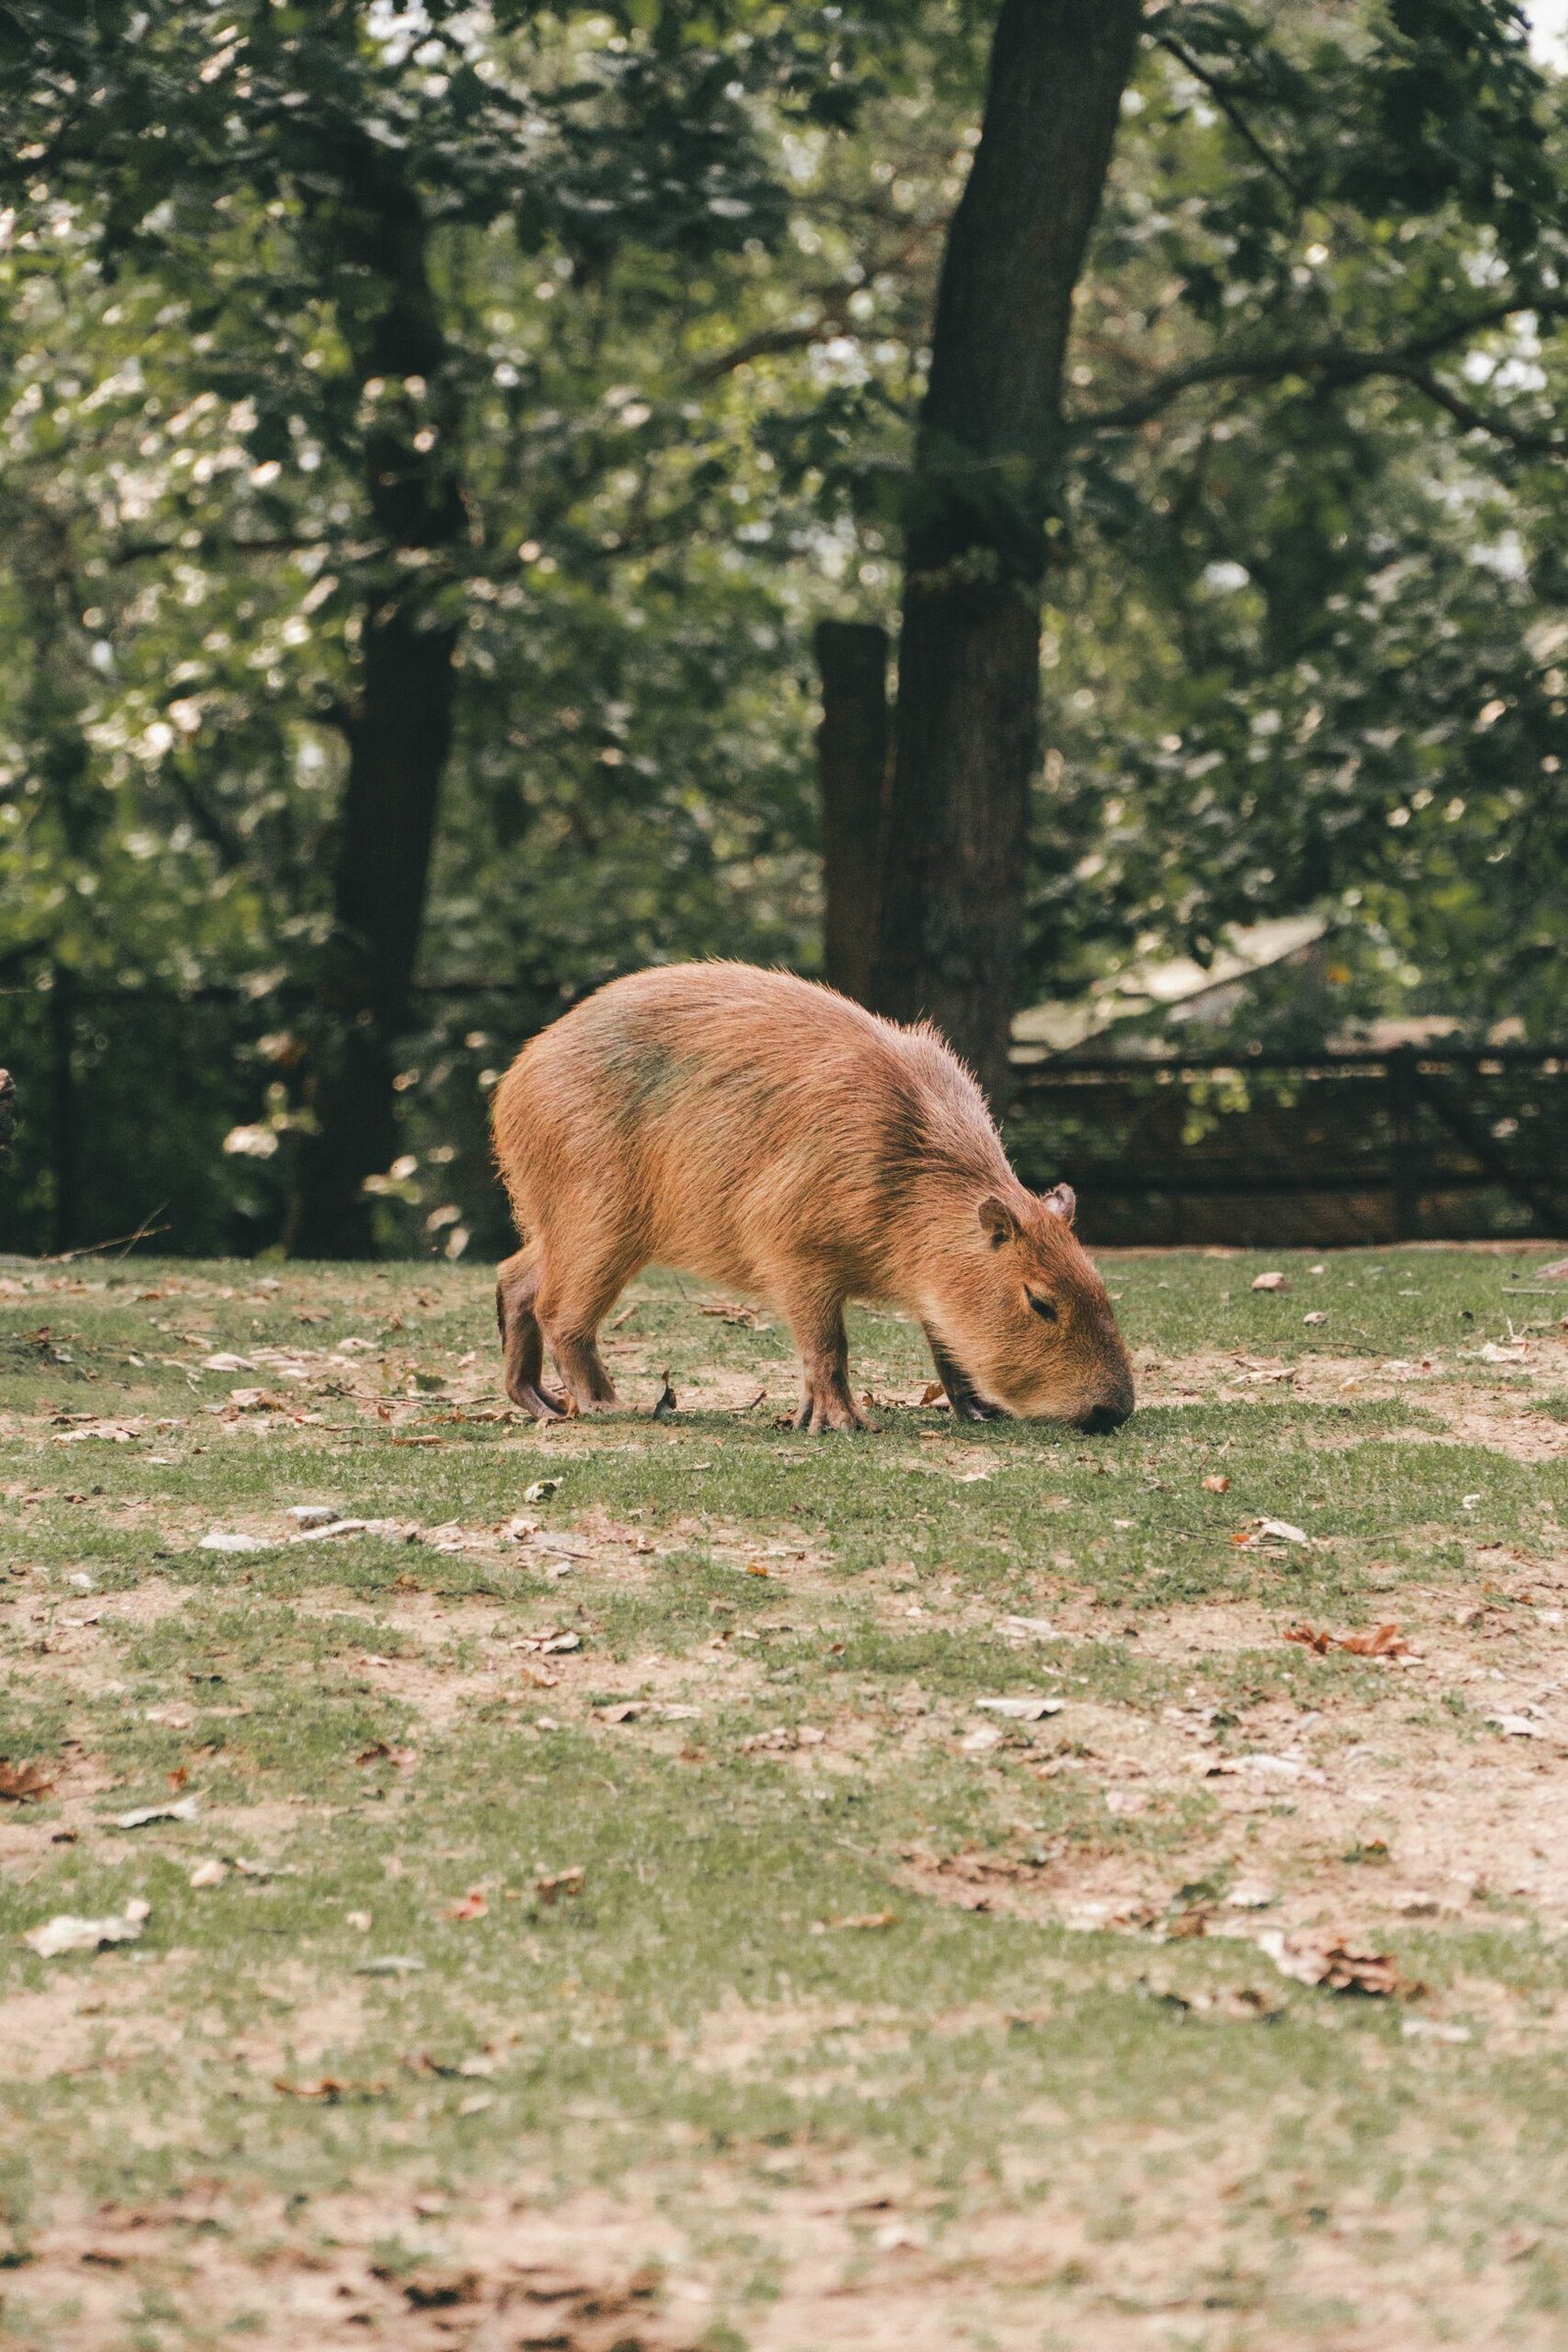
125	1243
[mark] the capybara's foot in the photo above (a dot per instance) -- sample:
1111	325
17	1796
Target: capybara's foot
822	1410
967	1406
588	1386
543	1403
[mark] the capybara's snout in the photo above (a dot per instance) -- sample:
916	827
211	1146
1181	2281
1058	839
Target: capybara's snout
1100	1419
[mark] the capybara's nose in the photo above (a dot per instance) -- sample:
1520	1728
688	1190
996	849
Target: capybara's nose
1102	1419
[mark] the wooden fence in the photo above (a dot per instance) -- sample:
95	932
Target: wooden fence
125	1097
1418	1143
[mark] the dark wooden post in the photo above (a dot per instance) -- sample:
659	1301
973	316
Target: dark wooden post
62	1089
1404	1115
851	751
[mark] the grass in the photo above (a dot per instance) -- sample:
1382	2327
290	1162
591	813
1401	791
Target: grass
409	2076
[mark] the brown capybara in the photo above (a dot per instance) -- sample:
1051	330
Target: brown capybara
771	1135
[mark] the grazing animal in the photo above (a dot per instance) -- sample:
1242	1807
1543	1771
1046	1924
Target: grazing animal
772	1135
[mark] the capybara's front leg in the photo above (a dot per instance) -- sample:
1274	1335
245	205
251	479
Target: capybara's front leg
523	1347
964	1398
818	1320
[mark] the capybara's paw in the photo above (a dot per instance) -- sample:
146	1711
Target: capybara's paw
970	1408
543	1403
819	1413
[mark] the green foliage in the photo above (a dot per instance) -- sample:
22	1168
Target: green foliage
1307	609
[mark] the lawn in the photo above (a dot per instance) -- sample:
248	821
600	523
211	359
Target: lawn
590	1905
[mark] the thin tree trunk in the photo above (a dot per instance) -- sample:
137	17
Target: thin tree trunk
399	732
851	751
986	468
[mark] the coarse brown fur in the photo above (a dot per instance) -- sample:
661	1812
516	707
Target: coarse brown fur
771	1135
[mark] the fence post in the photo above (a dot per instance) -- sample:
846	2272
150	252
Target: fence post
1403	1116
63	1121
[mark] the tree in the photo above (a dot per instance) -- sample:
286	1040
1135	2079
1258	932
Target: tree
986	473
1414	116
306	185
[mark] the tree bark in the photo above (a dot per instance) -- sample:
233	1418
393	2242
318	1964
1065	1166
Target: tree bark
987	466
400	727
851	751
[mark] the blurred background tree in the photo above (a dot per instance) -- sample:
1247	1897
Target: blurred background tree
430	436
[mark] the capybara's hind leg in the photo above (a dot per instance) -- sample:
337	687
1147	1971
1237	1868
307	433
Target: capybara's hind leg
521	1341
818	1320
571	1306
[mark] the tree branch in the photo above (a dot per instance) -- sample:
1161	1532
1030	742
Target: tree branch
1335	363
1232	115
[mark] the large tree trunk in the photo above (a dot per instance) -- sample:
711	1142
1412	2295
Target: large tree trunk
987	466
852	754
400	728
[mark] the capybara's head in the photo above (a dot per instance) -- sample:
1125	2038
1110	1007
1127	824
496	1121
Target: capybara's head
1033	1327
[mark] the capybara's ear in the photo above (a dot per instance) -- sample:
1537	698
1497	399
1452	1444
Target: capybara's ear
998	1222
1062	1202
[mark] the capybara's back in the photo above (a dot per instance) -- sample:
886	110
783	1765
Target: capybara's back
771	1135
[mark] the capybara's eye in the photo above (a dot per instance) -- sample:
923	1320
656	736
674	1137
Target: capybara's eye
1046	1308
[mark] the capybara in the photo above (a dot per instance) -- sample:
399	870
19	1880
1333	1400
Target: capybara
772	1135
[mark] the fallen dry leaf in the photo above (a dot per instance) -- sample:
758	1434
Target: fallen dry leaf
382	1752
1378	1641
560	1881
23	1783
1270	1282
209	1874
932	1392
540	1489
1216	1484
1338	1966
183	1809
67	1934
473	1906
1021	1710
1271	1530
329	2088
429	2290
861	1920
783	1737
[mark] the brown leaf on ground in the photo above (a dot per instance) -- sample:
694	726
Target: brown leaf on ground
381	1751
473	1906
855	1920
1217	1485
933	1393
430	2289
1270	1282
1377	1642
784	1736
1338	1966
557	1882
329	2089
23	1783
